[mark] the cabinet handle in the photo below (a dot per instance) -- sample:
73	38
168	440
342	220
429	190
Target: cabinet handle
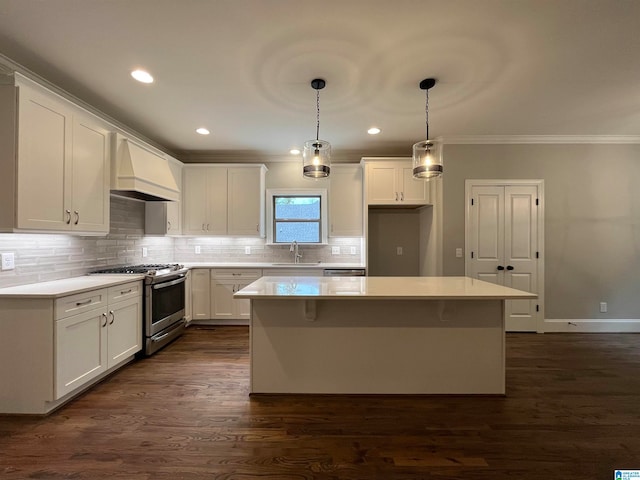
77	217
396	196
86	302
68	213
402	196
124	292
207	227
168	225
203	227
105	320
113	317
257	227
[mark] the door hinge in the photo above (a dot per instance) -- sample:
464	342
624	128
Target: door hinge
537	254
537	202
537	308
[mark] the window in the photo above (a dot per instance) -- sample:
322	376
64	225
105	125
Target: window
297	215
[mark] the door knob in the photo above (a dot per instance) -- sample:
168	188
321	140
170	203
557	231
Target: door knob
509	267
500	267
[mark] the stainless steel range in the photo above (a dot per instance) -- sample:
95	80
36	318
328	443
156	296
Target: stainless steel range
164	301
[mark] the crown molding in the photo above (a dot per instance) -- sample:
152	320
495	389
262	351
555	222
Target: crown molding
539	139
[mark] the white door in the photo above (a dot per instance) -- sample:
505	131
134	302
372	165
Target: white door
503	245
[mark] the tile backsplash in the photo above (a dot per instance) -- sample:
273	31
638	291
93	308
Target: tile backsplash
44	257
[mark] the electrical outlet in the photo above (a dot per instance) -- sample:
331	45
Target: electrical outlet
335	250
398	250
8	261
145	252
353	250
198	249
458	253
603	307
247	250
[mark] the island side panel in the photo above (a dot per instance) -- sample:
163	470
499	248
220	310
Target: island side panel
378	347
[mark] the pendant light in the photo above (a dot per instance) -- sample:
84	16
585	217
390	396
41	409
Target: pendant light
427	155
316	156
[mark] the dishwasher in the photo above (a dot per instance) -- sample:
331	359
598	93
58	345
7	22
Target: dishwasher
344	272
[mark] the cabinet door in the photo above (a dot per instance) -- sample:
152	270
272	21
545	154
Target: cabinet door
345	201
90	180
194	200
242	306
413	191
222	303
382	186
217	201
246	198
44	162
81	350
200	294
124	330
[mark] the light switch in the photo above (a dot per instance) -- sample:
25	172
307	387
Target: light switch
398	250
335	250
458	253
247	250
145	252
197	249
353	250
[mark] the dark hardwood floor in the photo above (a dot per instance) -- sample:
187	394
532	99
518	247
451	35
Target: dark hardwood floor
572	411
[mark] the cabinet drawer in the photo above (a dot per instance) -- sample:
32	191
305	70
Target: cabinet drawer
80	302
236	273
125	291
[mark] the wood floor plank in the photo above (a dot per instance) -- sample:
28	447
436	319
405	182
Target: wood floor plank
572	410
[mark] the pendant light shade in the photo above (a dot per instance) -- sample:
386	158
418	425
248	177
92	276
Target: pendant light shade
316	156
427	154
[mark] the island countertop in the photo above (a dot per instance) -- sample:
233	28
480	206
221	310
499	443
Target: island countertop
372	288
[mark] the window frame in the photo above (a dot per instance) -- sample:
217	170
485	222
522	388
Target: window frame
298	192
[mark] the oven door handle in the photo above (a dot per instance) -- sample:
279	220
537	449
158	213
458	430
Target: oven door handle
165	335
169	284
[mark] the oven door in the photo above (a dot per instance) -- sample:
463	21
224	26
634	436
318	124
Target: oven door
165	301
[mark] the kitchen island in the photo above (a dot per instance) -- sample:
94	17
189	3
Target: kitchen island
377	335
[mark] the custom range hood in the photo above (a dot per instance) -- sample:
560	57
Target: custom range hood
137	172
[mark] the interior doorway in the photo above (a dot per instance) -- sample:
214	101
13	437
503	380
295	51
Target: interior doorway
504	243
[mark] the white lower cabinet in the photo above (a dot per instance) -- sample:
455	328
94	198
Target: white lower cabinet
200	294
224	283
52	348
94	341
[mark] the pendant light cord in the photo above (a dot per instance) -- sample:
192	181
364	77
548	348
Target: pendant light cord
426	111
317	115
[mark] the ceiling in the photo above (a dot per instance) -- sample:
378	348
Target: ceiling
242	68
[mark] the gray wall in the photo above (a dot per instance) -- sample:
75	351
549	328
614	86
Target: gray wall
389	229
592	219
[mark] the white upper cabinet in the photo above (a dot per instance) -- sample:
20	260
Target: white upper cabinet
223	200
345	201
165	218
389	181
61	163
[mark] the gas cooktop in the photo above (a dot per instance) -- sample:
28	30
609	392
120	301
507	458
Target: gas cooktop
145	269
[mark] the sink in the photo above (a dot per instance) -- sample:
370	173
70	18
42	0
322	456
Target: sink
291	264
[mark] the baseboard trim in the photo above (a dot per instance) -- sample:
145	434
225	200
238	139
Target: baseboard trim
631	325
220	322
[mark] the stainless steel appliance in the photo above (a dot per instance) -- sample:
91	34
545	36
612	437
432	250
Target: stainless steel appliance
344	272
164	301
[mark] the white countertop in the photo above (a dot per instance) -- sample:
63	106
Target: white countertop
68	286
319	265
401	288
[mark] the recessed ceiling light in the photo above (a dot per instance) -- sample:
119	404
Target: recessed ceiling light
374	131
202	131
142	76
294	151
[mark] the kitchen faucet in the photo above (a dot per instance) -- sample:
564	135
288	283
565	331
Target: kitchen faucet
294	248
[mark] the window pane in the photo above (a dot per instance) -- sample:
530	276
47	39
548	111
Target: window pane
297	208
304	232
